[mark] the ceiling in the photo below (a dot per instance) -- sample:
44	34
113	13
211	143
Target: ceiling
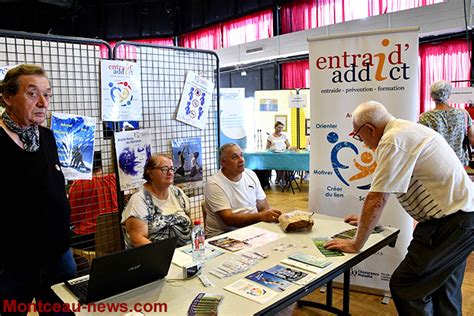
115	19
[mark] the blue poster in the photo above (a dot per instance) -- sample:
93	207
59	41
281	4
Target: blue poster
187	159
74	136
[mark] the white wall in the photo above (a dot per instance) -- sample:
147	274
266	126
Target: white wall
437	19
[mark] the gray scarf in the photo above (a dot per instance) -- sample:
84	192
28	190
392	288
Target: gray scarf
29	136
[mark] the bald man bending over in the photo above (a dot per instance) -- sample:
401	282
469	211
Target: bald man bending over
417	165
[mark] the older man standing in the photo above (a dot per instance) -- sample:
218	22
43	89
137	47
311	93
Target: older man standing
34	233
234	196
417	165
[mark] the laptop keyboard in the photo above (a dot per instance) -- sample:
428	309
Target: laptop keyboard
82	287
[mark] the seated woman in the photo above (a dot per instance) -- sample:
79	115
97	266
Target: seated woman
278	142
159	210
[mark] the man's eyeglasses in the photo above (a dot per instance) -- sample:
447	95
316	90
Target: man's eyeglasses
166	169
356	136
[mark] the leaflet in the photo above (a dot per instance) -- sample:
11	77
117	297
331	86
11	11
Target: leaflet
269	280
291	274
319	243
252	291
301	265
229	244
311	260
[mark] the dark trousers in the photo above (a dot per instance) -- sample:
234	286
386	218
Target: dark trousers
18	286
264	177
428	280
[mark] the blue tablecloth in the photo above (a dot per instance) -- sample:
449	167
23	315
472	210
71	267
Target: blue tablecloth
267	160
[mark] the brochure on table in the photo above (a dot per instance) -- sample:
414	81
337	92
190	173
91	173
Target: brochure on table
291	274
133	148
255	292
74	137
255	236
269	280
210	252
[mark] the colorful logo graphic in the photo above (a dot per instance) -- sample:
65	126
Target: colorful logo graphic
365	167
121	93
256	291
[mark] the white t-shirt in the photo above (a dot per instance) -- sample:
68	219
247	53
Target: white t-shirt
222	194
277	143
419	166
137	207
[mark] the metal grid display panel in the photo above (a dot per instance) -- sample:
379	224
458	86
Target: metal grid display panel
72	66
163	74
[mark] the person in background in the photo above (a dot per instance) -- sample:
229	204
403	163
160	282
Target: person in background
159	210
417	165
278	142
233	196
88	200
453	124
34	229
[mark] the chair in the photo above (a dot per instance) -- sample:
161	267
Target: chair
108	237
290	179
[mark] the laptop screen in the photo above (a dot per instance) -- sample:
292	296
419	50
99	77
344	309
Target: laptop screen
122	271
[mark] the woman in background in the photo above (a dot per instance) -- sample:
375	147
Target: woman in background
278	142
453	124
159	210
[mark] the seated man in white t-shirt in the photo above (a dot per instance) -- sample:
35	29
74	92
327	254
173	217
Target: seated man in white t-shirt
234	196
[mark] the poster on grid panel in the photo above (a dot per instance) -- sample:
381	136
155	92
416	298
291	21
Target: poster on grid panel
345	71
234	117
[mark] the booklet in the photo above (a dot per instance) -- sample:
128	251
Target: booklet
311	260
291	274
347	234
229	244
301	265
319	243
269	280
350	233
252	291
210	252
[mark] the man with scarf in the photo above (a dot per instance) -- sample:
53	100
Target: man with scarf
34	233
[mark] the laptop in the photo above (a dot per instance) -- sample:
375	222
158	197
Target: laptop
123	271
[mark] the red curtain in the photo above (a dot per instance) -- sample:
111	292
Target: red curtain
104	51
209	38
130	52
297	16
295	74
449	60
168	41
306	14
247	29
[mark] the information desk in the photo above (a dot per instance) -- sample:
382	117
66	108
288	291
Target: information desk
177	295
268	160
